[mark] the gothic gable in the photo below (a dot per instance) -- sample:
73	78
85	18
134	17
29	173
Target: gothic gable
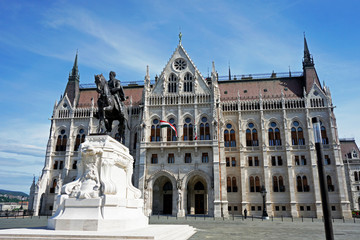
180	76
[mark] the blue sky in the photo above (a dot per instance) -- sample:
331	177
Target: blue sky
39	39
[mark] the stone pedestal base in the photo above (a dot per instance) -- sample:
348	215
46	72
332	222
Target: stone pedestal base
181	213
99	214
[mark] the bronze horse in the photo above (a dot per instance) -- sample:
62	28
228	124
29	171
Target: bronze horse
109	109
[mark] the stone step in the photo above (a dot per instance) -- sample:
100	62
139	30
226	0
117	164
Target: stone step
153	232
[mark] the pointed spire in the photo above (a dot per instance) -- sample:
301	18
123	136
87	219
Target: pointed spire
229	72
308	60
180	36
75	71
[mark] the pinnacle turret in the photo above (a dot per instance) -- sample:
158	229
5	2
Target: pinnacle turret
308	60
74	74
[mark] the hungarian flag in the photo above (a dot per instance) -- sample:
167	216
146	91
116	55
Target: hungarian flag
167	124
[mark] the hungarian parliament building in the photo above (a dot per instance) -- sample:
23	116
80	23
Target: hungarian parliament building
237	138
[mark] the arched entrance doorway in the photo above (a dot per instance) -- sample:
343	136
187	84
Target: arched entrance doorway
162	196
197	196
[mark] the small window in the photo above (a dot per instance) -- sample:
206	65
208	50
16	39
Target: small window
252	208
273	161
229	208
74	166
245	91
256	162
259	208
187	157
171	158
228	162
225	92
233	162
154	159
205	158
265	90
277	208
301	208
61	165
283	208
308	208
62	131
228	125
235	208
250	162
51	207
333	208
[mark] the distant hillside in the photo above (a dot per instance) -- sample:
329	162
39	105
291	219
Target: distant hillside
14	193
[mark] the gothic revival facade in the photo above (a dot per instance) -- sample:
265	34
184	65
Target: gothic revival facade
351	155
233	136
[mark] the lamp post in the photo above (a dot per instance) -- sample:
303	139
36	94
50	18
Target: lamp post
263	193
323	189
22	200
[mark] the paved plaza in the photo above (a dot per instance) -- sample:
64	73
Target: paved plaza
236	228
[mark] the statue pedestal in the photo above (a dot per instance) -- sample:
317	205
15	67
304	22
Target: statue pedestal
102	198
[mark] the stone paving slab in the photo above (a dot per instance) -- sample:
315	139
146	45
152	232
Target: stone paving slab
237	228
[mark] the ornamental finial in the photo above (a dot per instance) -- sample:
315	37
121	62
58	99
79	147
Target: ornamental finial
180	36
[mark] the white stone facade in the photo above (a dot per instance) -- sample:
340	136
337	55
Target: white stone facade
235	153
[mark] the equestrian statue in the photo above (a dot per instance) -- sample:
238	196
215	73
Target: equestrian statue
110	104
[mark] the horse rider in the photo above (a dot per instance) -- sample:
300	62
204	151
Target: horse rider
116	89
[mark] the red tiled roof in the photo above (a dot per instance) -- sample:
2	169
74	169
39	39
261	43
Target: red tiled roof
347	146
269	88
87	94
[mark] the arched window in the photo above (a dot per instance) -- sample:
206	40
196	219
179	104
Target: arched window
155	131
170	133
188	85
252	184
305	184
356	176
275	184
297	134
204	129
228	184
324	137
80	138
302	184
299	184
172	83
251	135
281	184
331	187
61	141
274	135
257	184
54	184
229	136
188	130
234	186
278	184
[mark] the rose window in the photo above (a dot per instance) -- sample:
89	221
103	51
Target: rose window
180	64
